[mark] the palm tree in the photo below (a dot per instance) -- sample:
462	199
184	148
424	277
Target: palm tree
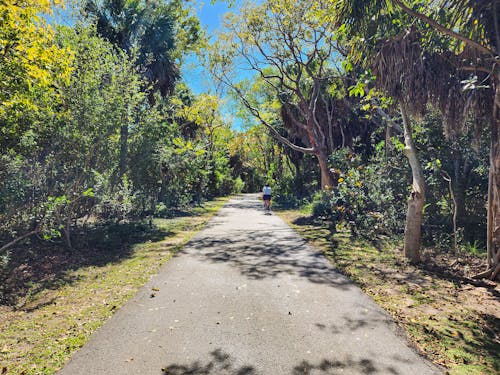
146	27
431	61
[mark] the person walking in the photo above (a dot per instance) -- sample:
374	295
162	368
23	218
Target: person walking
266	196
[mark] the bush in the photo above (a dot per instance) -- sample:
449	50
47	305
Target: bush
239	185
369	196
321	206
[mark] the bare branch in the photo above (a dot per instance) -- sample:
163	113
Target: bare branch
255	112
18	239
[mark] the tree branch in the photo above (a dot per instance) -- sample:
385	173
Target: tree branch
255	112
18	239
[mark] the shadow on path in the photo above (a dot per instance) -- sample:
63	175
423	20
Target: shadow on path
222	363
362	366
260	255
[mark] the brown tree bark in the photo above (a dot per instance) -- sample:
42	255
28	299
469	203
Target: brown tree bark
326	176
493	231
416	200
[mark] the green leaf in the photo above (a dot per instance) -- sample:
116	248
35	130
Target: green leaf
88	193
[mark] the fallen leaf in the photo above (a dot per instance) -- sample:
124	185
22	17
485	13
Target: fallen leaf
155	289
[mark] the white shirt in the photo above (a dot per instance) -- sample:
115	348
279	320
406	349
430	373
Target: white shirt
266	190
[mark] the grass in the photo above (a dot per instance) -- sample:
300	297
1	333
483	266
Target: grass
454	324
53	320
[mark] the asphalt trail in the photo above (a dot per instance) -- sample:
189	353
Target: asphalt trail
247	296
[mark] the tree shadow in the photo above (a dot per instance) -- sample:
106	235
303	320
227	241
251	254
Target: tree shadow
481	339
263	254
363	366
442	271
353	323
41	265
220	363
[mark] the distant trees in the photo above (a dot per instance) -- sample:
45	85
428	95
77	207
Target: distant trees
293	54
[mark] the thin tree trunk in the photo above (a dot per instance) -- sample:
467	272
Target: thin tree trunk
417	196
493	231
123	149
448	179
67	234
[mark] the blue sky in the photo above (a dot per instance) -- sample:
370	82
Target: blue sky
210	16
196	78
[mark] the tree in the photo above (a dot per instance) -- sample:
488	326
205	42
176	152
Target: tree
149	31
426	52
32	66
204	112
84	156
293	54
477	51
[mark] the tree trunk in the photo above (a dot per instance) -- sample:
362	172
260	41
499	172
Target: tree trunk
460	198
460	182
123	149
493	234
417	196
67	235
326	176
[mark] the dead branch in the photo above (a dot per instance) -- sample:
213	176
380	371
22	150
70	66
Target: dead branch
19	239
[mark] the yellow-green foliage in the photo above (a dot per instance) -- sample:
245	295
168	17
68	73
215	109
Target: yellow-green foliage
29	56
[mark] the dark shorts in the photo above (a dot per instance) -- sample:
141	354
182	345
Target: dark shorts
266	197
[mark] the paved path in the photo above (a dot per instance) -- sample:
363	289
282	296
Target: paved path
248	297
